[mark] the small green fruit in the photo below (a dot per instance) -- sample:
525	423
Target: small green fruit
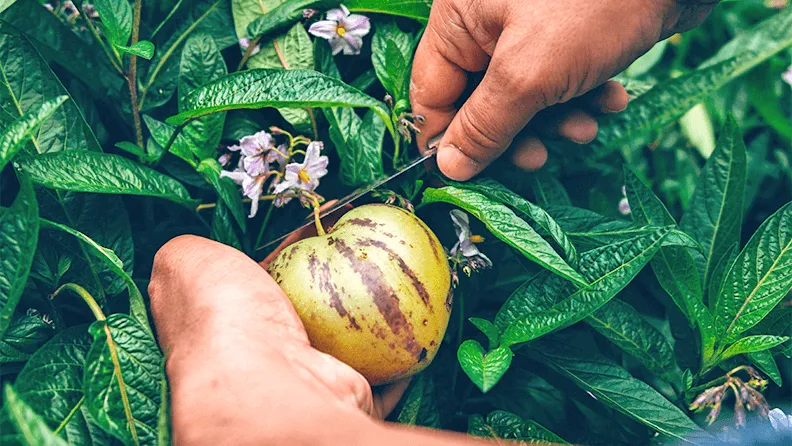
374	292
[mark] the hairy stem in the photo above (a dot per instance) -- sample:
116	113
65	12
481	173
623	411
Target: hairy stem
132	76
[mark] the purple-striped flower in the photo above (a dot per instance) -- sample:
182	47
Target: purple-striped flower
343	30
302	176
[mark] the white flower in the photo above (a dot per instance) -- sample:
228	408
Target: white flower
465	247
343	30
255	149
244	43
303	176
780	421
787	76
224	159
624	206
252	186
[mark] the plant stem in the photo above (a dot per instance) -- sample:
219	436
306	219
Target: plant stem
248	53
86	297
319	228
110	56
165	20
132	76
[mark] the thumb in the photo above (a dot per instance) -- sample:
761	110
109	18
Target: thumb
506	99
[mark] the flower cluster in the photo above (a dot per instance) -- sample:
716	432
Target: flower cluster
465	253
344	31
260	160
747	395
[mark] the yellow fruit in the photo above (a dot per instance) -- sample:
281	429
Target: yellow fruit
374	292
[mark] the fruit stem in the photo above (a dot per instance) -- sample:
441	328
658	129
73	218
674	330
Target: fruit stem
319	229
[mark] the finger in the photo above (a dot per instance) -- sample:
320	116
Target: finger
610	97
507	98
439	75
530	153
576	125
388	397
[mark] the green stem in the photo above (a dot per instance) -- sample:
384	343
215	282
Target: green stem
86	297
165	20
110	56
132	76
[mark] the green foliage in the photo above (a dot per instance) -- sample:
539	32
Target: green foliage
570	336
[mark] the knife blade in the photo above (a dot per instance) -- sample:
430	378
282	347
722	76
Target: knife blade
358	193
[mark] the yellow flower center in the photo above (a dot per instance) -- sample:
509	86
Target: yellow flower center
340	30
303	176
476	239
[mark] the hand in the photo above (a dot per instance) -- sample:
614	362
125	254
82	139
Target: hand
536	54
241	369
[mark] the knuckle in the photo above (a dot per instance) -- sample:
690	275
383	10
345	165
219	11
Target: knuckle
480	132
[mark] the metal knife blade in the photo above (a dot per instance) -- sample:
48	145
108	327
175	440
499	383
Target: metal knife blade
355	195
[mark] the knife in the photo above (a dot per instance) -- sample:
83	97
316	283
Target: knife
357	194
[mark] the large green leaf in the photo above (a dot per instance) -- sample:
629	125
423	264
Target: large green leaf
625	327
484	368
714	213
509	426
28	423
507	226
102	173
223	227
18	238
24	336
286	14
52	384
137	307
419	406
357	141
391	55
546	304
17	133
753	344
201	63
414	9
760	277
116	21
668	101
122	379
613	386
161	134
259	88
765	362
226	189
500	193
548	190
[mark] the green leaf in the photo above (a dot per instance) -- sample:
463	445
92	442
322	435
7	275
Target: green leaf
16	135
765	362
674	267
52	384
285	15
5	4
614	387
357	141
226	189
24	336
143	48
122	379
508	426
752	344
714	214
778	321
28	423
102	173
137	306
668	101
489	329
505	225
420	403
549	191
201	63
414	9
223	227
116	21
719	274
645	63
625	327
161	134
485	369
212	17
26	83
546	303
259	88
391	55
500	193
18	239
760	277
697	127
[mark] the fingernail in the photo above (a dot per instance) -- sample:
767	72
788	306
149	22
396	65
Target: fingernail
616	109
455	164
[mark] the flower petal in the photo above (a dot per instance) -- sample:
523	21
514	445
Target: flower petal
338	14
236	176
353	44
326	29
358	25
255	165
337	45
